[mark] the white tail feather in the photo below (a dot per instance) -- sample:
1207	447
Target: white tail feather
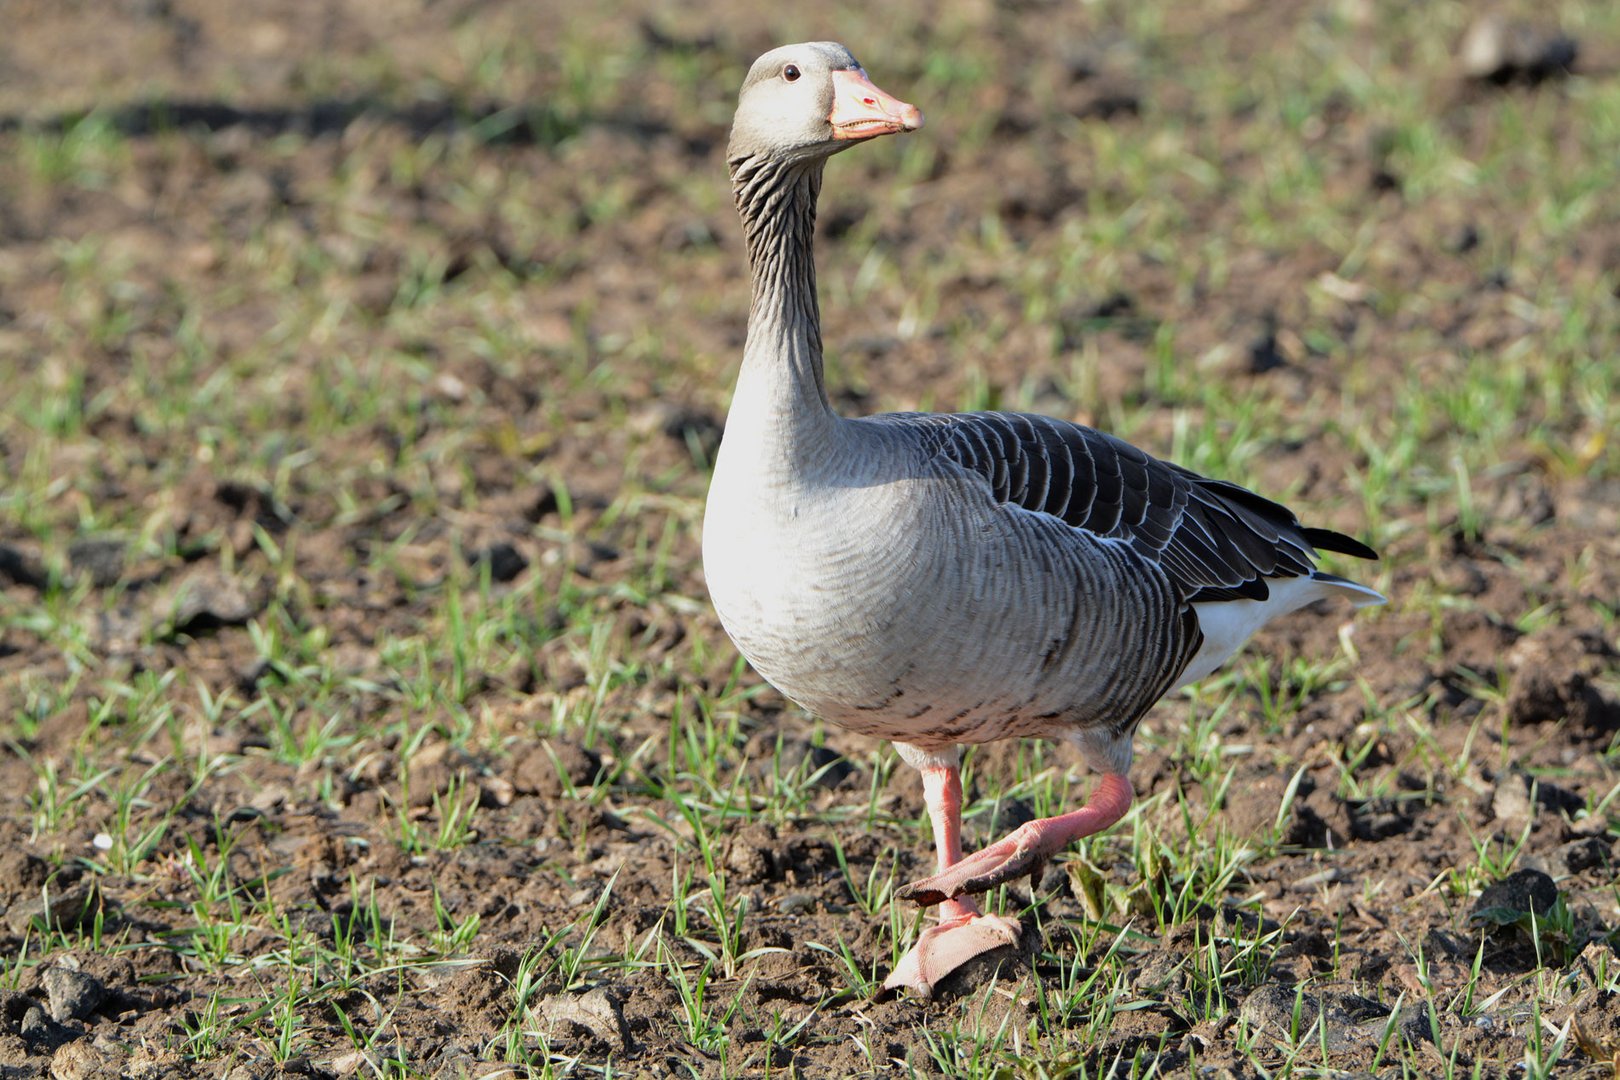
1227	624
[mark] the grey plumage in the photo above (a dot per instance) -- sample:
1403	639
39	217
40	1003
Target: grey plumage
946	579
940	580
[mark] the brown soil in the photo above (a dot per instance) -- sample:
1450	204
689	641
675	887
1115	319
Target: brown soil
1512	679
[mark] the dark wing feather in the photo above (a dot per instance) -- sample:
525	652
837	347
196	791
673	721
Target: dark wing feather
1216	540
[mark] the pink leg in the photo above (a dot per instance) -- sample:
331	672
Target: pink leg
963	932
1024	850
942	795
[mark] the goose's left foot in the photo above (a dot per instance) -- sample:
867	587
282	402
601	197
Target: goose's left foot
1025	850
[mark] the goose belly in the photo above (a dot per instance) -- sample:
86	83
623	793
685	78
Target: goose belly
911	621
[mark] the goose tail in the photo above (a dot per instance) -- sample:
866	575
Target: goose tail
1358	595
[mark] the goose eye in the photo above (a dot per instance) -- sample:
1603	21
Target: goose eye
791	73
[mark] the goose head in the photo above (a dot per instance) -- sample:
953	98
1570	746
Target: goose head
809	101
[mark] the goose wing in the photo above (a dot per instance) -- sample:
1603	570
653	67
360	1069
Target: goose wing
1216	540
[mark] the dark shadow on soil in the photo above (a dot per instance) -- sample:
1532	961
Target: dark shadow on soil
534	123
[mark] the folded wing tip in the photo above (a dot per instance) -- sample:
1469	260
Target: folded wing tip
1338	542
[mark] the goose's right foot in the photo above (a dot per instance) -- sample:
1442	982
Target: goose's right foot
1025	850
962	934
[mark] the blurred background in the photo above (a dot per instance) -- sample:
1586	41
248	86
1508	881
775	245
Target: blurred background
362	365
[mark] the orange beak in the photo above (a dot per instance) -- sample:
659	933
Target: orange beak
862	111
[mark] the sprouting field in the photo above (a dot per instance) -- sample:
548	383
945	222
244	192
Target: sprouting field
361	370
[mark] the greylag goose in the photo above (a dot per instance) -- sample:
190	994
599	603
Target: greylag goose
940	580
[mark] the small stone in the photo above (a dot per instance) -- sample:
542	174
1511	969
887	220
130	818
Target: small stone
40	1031
346	1064
1332	875
450	387
72	995
1511	801
1500	50
796	903
496	791
270	798
116	630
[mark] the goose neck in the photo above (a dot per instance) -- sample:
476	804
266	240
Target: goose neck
781	381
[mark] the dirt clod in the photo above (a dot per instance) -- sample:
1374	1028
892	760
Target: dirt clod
83	1060
1378	818
595	1013
1585	853
21	567
750	854
1342	1022
504	560
21	873
554	766
69	909
207	600
1543	695
690	427
99	558
826	766
1523	892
